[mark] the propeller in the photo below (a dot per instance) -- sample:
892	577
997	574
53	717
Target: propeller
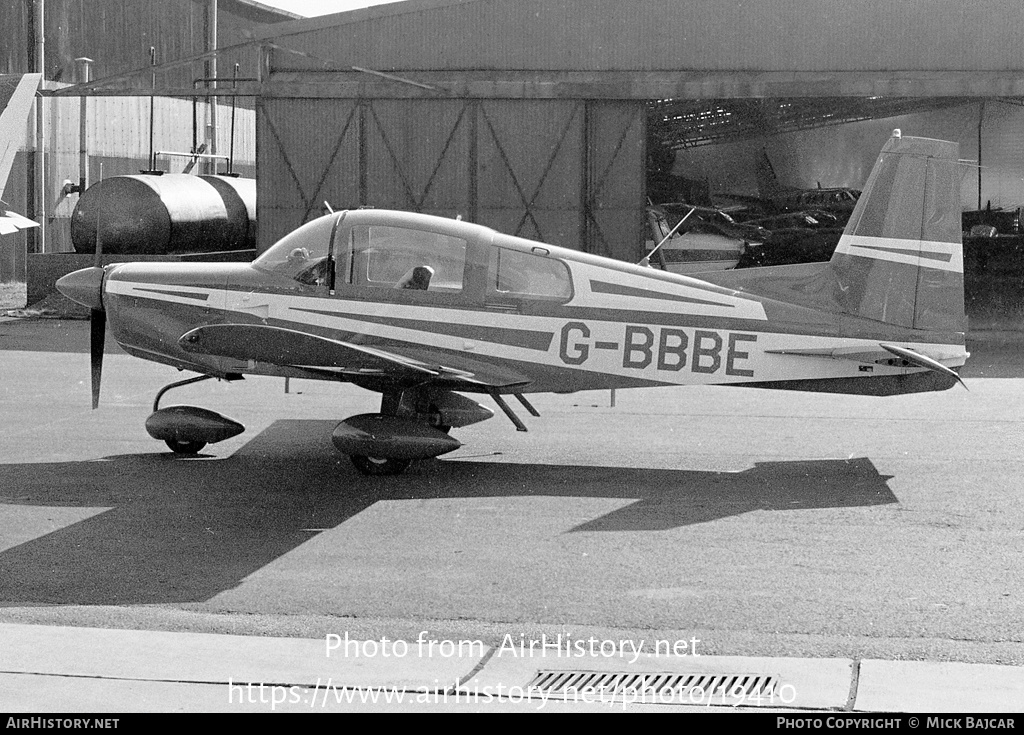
97	334
85	287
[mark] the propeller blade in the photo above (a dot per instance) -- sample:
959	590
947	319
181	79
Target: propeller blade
97	327
97	334
85	287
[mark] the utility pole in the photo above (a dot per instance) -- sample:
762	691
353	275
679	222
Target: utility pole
211	45
40	157
84	75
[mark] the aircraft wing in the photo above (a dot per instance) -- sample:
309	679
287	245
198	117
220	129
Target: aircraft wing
11	222
17	93
289	347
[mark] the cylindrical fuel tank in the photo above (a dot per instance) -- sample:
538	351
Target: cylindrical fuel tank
169	213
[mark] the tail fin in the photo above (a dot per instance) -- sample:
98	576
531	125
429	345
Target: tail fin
767	182
900	259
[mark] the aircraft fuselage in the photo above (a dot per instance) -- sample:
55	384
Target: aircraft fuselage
608	324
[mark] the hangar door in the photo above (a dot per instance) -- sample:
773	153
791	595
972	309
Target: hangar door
566	172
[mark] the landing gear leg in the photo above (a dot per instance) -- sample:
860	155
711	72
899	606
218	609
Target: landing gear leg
162	391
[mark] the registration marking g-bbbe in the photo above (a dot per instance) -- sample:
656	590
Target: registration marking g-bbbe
667	349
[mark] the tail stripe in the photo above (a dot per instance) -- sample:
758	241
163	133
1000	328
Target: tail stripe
920	253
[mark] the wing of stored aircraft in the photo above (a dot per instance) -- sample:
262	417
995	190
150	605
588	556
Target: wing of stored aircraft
17	92
11	222
423	309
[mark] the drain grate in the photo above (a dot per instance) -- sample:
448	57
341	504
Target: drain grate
666	687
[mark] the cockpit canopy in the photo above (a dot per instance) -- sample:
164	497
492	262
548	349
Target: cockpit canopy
371	249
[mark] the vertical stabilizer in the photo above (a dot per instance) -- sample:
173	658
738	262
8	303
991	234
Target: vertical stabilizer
768	185
900	259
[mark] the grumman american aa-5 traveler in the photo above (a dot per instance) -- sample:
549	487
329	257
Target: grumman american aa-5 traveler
427	310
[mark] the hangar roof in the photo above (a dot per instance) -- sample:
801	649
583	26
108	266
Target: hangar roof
920	47
708	70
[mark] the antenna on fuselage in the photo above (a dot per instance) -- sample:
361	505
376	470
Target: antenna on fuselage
646	260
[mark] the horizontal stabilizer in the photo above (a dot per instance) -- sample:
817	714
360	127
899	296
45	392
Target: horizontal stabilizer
856	354
883	356
916	358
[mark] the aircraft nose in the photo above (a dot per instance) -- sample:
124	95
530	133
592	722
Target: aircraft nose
84	287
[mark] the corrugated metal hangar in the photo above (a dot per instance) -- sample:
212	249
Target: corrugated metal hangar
118	34
532	116
536	117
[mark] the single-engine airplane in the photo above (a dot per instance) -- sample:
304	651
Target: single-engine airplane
838	200
424	309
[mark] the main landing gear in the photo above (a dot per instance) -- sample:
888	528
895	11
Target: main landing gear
188	429
412	424
373	466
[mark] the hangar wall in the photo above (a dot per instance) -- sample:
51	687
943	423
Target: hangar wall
532	121
568	172
117	142
117	35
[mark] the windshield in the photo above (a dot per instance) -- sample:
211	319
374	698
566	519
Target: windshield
301	254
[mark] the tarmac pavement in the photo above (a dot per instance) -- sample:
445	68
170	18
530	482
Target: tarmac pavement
863	555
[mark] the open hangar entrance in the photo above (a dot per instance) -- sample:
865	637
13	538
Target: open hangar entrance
537	119
833	142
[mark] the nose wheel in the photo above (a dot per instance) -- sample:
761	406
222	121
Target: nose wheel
186	430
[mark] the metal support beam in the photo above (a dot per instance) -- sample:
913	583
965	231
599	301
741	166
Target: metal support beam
597	85
651	85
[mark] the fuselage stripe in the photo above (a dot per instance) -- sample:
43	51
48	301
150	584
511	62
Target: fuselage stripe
199	296
617	290
527	339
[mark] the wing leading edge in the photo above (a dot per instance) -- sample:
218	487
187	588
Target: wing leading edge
293	348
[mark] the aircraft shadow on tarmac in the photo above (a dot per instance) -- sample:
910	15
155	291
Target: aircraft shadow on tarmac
185	530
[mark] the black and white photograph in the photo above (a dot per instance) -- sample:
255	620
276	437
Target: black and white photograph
512	356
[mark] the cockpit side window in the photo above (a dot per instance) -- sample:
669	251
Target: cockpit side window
382	256
514	273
